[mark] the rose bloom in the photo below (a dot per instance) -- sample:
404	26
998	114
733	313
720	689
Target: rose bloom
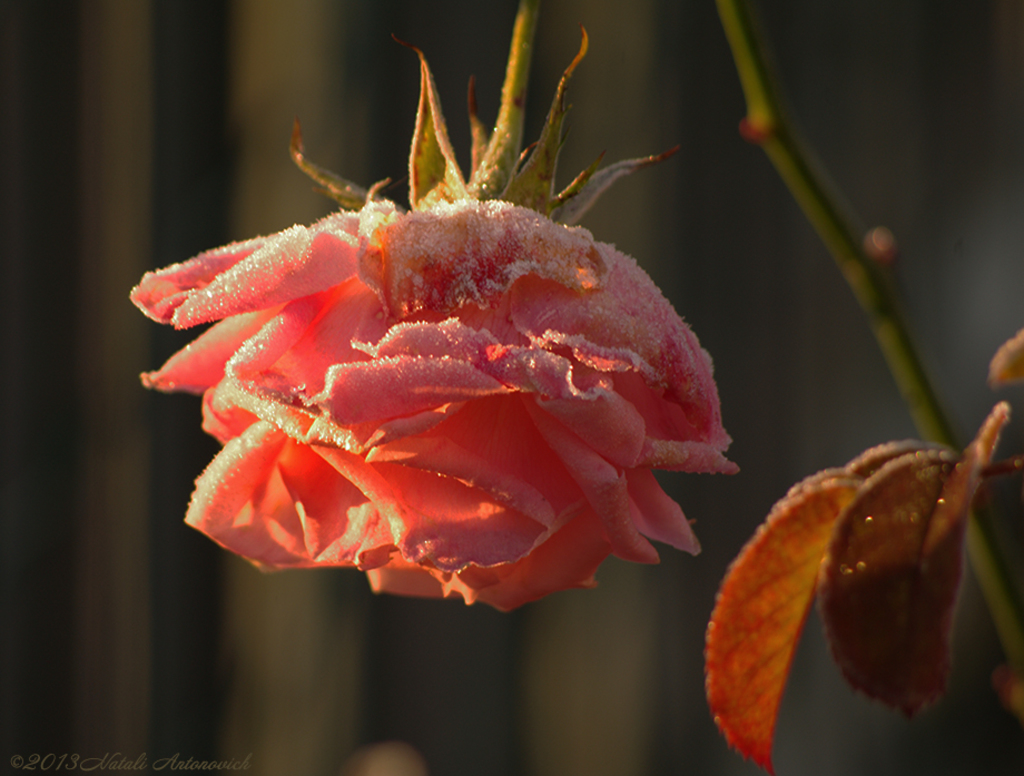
467	399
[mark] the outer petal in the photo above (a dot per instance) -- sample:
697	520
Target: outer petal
671	442
297	368
254	275
523	367
200	364
469	252
656	515
223	418
568	559
340	525
607	423
160	293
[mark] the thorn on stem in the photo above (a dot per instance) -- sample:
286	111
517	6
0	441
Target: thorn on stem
880	245
755	132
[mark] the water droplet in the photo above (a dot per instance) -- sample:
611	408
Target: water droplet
869	520
844	569
861	565
940	501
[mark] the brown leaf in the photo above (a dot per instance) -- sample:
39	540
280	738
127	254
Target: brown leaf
761	609
889	581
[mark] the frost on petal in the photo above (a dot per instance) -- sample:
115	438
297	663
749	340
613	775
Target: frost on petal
470	252
228	409
159	294
365	391
241	503
223	418
520	367
626	326
254	275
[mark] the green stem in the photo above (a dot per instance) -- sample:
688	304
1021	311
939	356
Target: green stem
768	125
499	160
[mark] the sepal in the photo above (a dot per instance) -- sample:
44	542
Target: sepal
434	175
345	193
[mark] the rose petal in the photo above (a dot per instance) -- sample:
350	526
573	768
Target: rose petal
159	294
453	525
500	432
200	364
627	325
469	252
569	559
526	368
359	392
349	314
340	525
443	456
223	418
672	442
607	423
241	503
656	515
603	485
400	577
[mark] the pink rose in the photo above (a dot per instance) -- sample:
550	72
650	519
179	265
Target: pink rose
462	400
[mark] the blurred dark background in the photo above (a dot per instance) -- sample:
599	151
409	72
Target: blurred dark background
134	134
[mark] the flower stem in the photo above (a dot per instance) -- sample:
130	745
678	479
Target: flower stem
502	152
767	125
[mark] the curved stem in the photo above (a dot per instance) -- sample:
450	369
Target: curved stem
767	125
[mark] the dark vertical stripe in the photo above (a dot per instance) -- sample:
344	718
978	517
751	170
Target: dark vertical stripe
191	183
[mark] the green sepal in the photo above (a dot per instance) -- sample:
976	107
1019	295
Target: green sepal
477	130
433	172
345	193
571	206
533	185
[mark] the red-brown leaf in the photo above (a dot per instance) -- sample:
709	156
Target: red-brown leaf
761	609
889	582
